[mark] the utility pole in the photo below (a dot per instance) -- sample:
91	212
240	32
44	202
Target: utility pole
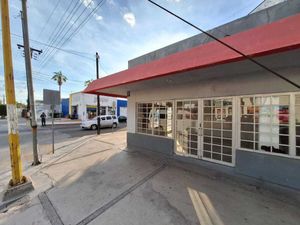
98	96
12	118
32	50
27	53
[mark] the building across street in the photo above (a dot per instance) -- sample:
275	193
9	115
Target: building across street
84	106
200	102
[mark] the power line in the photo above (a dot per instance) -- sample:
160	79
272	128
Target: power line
49	18
59	23
62	30
50	76
41	76
73	52
102	2
64	24
82	24
78	28
232	15
228	46
77	53
256	7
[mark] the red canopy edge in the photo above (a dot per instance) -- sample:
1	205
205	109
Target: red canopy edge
279	36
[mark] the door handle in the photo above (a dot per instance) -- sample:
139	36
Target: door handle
200	130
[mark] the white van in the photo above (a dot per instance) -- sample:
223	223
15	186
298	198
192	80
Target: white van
105	121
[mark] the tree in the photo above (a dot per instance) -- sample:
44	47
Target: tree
60	79
87	82
21	105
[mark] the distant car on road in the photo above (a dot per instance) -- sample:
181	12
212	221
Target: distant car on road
105	121
122	119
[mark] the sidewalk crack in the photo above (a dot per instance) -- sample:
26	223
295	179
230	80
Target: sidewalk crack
49	177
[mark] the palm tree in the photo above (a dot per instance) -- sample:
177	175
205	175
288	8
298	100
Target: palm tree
87	82
60	79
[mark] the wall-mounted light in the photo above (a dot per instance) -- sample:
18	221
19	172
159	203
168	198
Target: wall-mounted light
128	93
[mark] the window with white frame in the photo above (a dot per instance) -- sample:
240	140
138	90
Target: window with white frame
155	118
265	123
161	118
187	127
297	123
143	118
217	129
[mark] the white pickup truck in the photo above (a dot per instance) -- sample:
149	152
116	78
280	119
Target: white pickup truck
105	121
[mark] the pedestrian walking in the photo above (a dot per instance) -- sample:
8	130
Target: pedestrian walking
43	117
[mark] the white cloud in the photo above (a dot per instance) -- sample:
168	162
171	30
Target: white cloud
111	2
129	18
98	17
91	4
173	0
88	3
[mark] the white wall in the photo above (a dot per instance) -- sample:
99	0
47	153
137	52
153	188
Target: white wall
123	111
41	107
267	4
258	83
131	114
83	100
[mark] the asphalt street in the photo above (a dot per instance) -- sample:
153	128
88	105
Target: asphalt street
62	133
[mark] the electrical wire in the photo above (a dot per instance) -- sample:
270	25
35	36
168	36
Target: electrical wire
68	30
256	7
64	24
229	46
42	76
50	76
73	52
80	54
60	21
49	18
87	18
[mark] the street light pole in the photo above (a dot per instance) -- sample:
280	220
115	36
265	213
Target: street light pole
27	52
98	96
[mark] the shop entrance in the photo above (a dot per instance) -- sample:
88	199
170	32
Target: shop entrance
203	129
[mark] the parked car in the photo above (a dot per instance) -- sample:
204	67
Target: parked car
122	119
105	121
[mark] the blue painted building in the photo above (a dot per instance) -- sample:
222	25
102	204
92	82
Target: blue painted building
65	107
121	107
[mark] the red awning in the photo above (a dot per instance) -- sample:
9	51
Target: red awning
272	38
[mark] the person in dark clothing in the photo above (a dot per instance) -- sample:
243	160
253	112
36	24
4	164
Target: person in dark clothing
43	117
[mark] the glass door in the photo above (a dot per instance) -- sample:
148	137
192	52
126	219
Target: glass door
204	129
217	130
187	128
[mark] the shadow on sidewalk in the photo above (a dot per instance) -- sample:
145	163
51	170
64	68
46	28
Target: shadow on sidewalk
101	183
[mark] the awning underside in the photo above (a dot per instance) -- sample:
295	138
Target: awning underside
274	44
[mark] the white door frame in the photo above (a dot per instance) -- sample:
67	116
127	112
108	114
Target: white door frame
233	131
200	129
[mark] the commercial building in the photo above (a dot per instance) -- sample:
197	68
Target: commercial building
84	106
121	107
200	102
40	107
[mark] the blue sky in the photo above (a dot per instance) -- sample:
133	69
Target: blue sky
119	30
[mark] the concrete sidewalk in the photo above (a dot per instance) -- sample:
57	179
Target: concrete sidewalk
98	181
59	121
